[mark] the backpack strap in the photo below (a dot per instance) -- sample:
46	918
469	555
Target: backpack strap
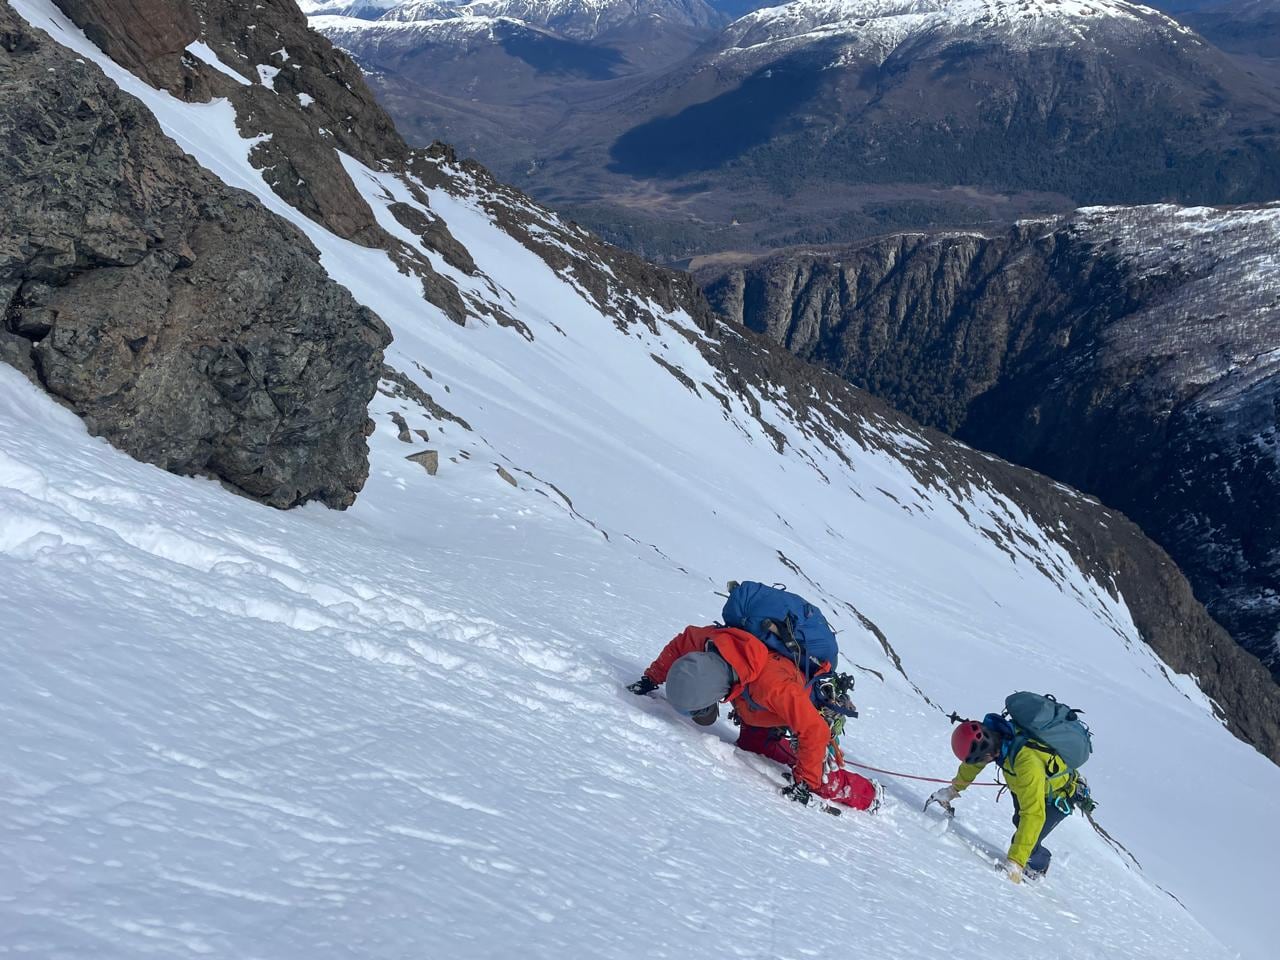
785	631
1009	749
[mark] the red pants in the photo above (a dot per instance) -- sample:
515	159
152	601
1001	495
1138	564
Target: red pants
842	786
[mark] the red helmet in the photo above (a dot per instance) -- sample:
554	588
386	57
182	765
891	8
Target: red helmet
972	742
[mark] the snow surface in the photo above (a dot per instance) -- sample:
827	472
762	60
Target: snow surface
201	51
399	730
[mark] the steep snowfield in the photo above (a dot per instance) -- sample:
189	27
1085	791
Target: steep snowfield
399	730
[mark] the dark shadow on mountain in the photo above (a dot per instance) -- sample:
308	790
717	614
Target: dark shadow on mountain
708	135
557	56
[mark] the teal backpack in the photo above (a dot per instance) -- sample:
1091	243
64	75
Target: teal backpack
1043	721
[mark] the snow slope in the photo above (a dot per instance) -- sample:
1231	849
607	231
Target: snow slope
399	730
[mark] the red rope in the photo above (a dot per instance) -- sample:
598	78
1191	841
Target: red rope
910	776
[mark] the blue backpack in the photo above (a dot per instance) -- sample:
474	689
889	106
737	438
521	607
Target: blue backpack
1043	721
785	623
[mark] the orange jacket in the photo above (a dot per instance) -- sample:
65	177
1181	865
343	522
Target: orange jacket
770	691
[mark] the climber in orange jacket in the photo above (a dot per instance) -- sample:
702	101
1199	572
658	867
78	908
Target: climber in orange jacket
705	666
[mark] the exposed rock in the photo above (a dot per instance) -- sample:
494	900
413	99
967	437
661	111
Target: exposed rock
252	33
402	386
430	460
184	322
436	235
403	427
1129	352
507	477
145	36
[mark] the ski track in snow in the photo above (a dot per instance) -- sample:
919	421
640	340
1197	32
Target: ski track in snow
400	730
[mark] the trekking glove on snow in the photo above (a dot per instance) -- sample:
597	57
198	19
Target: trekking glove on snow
1014	869
943	799
642	686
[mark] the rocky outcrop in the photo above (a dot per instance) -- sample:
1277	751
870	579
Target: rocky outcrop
1130	352
147	37
304	101
183	321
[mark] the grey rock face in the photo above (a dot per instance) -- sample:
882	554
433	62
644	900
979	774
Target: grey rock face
146	36
1130	352
185	323
429	459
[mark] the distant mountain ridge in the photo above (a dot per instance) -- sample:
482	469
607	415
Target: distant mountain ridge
892	22
494	77
579	19
820	120
1250	27
1102	101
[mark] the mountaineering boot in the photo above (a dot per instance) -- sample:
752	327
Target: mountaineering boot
878	799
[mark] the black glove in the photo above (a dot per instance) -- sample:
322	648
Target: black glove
642	686
799	792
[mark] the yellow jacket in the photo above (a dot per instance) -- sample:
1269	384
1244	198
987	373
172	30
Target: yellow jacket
1036	778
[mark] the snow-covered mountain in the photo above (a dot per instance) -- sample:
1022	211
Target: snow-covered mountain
493	76
867	115
399	729
365	9
1103	100
580	19
877	27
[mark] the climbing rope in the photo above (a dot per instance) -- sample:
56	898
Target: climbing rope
912	776
1115	844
